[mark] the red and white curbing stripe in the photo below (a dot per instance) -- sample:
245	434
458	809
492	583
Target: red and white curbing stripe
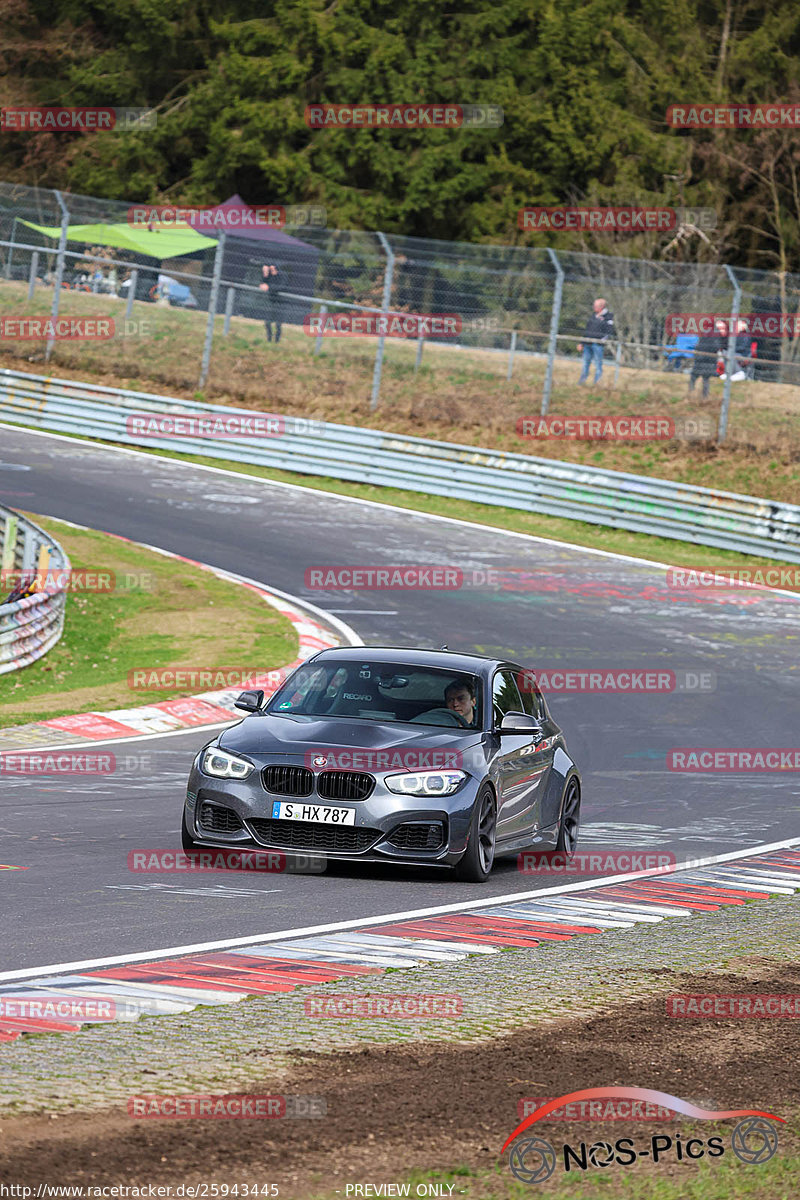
206	709
63	997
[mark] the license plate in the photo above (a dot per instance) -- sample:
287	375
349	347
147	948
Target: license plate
313	812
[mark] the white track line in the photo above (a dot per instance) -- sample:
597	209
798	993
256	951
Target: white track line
387	918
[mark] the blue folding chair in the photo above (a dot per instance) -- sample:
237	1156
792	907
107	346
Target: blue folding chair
682	352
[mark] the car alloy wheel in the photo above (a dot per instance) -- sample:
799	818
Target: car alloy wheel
570	819
478	858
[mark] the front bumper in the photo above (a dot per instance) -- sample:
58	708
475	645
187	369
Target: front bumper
387	828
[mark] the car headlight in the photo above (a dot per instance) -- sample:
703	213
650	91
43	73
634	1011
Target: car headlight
223	765
426	783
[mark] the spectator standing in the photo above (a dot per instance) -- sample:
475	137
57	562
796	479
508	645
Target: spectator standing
269	285
707	354
598	330
744	354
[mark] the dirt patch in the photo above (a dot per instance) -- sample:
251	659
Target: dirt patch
439	1107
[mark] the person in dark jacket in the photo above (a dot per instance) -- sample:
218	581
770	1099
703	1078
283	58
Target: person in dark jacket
598	329
269	285
707	354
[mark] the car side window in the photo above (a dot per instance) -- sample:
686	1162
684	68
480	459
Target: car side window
530	694
505	696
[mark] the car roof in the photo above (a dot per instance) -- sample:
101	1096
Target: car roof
448	660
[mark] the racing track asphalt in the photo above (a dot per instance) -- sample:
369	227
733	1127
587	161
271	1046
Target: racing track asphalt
77	898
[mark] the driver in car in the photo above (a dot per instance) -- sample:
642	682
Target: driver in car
459	697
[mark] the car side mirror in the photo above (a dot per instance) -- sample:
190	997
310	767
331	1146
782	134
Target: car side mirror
249	701
519	722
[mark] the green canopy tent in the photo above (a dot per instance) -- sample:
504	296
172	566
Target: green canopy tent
138	246
161	244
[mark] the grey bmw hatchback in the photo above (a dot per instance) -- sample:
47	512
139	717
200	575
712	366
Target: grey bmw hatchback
419	757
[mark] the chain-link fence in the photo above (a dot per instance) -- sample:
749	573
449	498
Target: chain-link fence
355	295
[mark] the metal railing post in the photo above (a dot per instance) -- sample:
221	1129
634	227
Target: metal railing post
731	357
323	312
420	344
62	246
11	248
617	362
511	352
212	310
228	310
132	285
387	296
32	276
555	318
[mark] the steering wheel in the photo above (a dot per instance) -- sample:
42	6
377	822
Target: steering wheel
455	718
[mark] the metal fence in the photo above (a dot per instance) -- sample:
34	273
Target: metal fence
515	301
31	626
694	514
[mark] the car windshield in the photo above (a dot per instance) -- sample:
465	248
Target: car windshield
379	691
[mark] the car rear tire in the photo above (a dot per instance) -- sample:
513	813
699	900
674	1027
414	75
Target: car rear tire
570	819
475	865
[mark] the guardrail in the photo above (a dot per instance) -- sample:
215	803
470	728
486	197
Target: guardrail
705	516
31	626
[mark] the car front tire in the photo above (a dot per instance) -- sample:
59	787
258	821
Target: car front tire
475	865
570	820
187	841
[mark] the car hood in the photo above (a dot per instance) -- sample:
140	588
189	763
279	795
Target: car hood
269	735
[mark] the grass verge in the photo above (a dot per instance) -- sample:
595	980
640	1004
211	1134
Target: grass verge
456	395
170	614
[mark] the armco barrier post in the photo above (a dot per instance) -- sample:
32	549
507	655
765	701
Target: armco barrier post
318	341
9	542
62	247
32	275
387	299
212	310
730	362
229	299
555	318
512	349
11	247
134	280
